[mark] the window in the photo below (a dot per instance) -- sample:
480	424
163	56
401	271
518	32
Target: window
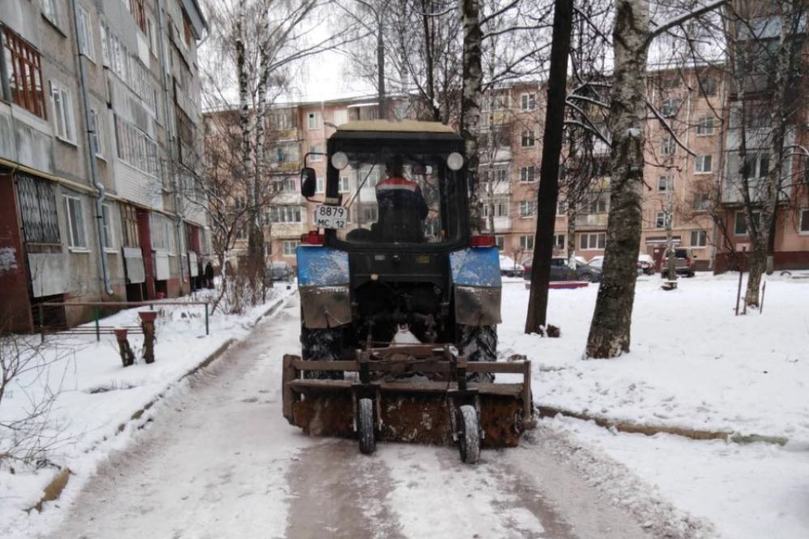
701	202
287	185
527	174
345	184
501	242
96	134
665	184
107	228
702	164
527	208
76	237
705	126
139	13
527	139
286	214
24	73
62	112
188	32
136	148
597	204
708	85
527	243
593	240
559	241
699	238
37	209
804	224
129	220
320	186
498	206
758	165
669	107
340	116
662	219
740	224
105	46
50	12
561	206
161	230
370	214
151	33
668	145
528	101
312	120
317	153
290	246
85	33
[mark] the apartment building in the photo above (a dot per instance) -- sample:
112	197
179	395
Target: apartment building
99	104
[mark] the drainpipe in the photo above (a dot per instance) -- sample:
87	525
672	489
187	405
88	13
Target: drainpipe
101	192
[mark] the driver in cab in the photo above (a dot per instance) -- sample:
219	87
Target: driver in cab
402	209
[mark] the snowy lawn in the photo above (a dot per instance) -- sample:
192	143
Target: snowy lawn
692	363
96	396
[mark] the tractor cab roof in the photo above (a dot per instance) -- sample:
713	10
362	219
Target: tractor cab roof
396	129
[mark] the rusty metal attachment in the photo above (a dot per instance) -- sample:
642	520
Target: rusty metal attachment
127	356
418	393
147	319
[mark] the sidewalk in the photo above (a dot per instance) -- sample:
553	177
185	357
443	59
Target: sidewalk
98	398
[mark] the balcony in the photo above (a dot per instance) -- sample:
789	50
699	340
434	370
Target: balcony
501	224
592	220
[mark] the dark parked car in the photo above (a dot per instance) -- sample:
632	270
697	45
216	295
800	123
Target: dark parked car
684	264
279	271
561	271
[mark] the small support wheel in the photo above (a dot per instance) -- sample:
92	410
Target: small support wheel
468	434
365	426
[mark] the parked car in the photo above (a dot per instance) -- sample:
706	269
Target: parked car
510	267
597	262
278	271
561	271
646	264
684	264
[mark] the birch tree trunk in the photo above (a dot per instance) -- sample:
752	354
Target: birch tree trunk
610	328
548	192
470	105
380	67
760	233
255	249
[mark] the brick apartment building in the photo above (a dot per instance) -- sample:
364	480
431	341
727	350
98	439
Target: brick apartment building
99	103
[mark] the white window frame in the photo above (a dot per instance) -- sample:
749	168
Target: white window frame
589	241
559	241
700	235
528	209
528	101
312	120
528	135
668	146
320	185
661	219
50	11
62	106
289	247
76	236
665	184
699	164
527	242
345	184
108	228
85	33
803	222
524	176
741	215
97	133
705	126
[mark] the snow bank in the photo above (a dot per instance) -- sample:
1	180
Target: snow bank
97	396
693	363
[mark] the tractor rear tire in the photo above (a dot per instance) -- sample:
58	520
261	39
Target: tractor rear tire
365	426
324	345
468	434
478	343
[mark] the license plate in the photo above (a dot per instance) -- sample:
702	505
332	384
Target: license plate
327	216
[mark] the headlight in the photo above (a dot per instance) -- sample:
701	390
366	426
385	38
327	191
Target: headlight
455	161
339	160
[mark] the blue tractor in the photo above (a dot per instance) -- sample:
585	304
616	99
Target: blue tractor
399	303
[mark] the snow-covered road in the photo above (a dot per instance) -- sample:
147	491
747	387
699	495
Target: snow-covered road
219	460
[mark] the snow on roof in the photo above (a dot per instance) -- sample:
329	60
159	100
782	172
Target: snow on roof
400	126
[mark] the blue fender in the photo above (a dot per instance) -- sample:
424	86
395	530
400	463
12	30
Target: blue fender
322	266
476	266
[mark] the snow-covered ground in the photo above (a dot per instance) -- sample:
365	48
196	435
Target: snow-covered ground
693	365
96	396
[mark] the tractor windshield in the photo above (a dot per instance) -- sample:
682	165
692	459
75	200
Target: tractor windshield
399	198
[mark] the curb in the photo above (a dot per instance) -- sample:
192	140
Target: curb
650	430
53	490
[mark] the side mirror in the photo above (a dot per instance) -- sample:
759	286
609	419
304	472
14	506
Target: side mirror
308	182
